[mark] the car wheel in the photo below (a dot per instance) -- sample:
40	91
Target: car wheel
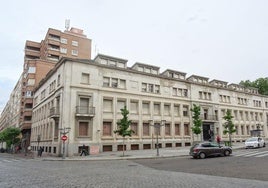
202	155
226	153
264	145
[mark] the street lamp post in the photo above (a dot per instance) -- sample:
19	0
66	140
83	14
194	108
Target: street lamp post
64	131
157	125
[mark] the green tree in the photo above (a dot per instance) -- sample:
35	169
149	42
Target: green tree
123	127
261	84
197	122
229	125
1	139
10	136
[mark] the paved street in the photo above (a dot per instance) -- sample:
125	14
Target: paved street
245	164
160	172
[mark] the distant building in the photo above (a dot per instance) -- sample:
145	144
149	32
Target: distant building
39	59
87	95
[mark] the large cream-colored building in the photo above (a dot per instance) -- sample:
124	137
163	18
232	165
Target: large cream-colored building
87	95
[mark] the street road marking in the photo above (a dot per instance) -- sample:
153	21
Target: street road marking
7	161
263	155
246	153
255	154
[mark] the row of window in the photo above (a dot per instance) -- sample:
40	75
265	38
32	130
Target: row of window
52	87
146	131
204	95
146	107
64	51
65	41
155	88
245	115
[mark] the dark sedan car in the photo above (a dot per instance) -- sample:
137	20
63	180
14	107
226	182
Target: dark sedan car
205	149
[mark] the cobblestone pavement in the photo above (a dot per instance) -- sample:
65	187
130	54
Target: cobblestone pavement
110	174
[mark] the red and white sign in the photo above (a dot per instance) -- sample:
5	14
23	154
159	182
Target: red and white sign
64	137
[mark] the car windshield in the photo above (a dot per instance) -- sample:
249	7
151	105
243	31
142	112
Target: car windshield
252	139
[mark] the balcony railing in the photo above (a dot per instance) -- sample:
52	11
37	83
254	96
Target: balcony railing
208	117
54	112
85	111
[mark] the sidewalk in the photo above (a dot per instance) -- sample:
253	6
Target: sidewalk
135	154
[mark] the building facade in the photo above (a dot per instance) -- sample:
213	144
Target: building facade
39	59
10	115
85	98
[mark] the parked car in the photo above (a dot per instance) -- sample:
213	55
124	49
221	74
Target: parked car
205	149
254	142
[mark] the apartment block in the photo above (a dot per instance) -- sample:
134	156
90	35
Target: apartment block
85	98
39	59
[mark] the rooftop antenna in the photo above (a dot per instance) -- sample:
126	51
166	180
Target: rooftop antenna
67	24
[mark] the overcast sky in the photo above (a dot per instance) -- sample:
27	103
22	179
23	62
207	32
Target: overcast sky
225	40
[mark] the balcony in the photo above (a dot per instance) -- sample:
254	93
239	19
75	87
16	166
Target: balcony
82	111
54	112
205	117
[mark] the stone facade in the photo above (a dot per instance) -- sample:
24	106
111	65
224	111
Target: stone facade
87	95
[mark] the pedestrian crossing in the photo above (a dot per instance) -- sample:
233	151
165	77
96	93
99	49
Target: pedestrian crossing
9	160
250	153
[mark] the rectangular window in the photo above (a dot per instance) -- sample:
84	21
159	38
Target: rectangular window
145	108
176	110
151	88
146	129
185	93
31	82
107	105
177	129
112	63
31	69
200	95
186	130
84	106
63	41
157	88
166	109
114	82
185	110
74	52
167	129
106	81
85	78
144	87
74	43
83	129
122	84
120	105
107	129
157	109
63	50
134	127
134	107
28	94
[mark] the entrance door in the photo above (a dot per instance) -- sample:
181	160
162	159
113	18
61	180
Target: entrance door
206	132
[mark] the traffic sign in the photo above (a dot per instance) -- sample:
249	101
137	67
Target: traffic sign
64	137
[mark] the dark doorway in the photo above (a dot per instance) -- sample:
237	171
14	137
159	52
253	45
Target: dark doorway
206	132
